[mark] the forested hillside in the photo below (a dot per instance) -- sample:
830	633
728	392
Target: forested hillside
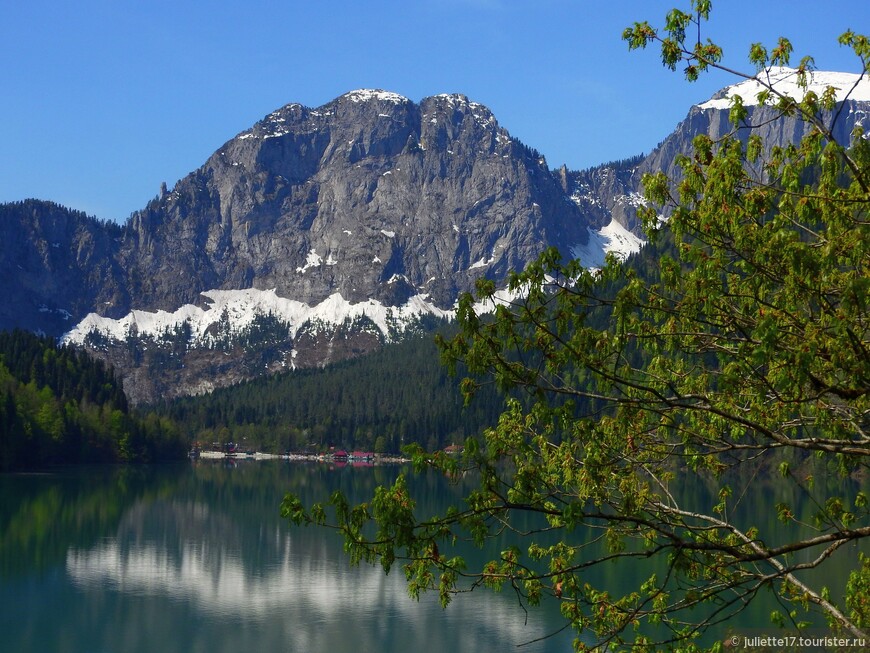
395	396
58	405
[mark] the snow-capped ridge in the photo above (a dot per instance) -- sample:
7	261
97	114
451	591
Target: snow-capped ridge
785	80
368	94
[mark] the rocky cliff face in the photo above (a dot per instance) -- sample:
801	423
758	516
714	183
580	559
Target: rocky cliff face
322	233
370	196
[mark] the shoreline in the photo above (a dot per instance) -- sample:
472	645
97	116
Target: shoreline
321	458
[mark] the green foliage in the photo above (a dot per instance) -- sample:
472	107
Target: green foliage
858	593
744	356
57	405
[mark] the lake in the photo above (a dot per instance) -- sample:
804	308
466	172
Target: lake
195	557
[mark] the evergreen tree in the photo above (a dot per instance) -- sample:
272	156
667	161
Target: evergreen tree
60	406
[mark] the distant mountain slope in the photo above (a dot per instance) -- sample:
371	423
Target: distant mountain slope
56	265
615	190
370	403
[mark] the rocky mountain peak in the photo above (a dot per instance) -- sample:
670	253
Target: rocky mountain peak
370	195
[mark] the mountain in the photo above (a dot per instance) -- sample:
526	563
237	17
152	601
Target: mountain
371	196
321	233
614	191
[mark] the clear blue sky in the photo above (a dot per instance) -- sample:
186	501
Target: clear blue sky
102	100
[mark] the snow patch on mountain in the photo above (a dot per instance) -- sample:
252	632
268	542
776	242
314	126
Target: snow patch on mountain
612	238
366	94
483	263
241	307
503	297
312	260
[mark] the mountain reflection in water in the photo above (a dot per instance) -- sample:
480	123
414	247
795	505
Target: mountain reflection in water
198	559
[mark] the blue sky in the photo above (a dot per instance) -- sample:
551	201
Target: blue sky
102	100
